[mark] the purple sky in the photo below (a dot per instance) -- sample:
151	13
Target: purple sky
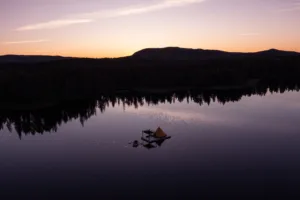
112	28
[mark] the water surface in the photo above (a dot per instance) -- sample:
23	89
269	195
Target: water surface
246	147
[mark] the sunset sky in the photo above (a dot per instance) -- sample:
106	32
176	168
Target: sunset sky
114	28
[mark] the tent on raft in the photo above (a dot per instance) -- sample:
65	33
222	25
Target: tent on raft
159	133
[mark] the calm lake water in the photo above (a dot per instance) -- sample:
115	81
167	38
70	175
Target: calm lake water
248	148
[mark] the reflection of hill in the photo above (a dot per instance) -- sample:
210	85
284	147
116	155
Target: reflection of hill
49	120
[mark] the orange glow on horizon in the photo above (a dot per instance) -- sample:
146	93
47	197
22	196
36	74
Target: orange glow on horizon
120	28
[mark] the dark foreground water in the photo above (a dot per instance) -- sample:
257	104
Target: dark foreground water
244	149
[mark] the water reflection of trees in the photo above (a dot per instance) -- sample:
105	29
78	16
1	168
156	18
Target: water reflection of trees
49	120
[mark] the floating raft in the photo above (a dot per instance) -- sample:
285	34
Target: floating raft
153	140
148	132
159	134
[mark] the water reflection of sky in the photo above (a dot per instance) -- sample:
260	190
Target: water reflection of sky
253	142
279	111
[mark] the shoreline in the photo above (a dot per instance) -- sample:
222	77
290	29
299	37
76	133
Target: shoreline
4	106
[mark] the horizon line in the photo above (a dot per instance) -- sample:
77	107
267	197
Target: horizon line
57	55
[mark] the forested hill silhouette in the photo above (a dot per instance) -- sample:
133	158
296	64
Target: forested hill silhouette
276	52
171	53
168	53
176	53
50	80
29	59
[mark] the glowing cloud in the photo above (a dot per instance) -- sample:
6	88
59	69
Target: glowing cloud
90	17
26	41
156	7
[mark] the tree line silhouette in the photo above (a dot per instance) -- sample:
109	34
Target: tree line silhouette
49	120
73	78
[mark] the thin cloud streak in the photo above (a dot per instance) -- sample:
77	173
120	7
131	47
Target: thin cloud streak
294	7
146	9
90	17
289	9
25	42
54	24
